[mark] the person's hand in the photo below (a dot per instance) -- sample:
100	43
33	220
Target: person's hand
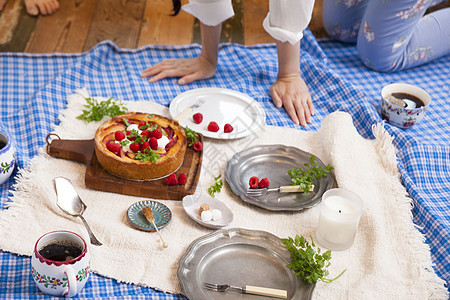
292	93
188	69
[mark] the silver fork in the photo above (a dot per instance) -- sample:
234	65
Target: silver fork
280	189
188	110
248	289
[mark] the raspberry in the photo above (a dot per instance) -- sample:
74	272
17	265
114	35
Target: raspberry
146	133
128	136
213	126
142	125
113	147
227	128
171	179
198	118
153	143
197	146
264	183
145	145
119	135
135	147
253	182
156	133
182	179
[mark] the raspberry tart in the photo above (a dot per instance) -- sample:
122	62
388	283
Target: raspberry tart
140	146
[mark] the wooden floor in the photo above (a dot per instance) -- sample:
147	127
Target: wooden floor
80	24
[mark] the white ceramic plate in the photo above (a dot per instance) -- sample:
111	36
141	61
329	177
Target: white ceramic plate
222	106
191	204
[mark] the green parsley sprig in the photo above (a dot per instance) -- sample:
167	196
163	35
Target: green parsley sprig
308	262
305	177
147	155
191	135
95	111
216	187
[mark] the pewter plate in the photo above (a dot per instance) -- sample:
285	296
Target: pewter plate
274	162
239	257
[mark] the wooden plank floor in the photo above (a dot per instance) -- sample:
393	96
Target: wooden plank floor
80	24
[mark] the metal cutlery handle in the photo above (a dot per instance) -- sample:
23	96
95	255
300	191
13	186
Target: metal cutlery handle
94	240
257	290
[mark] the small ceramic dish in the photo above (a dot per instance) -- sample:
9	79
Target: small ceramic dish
191	204
161	213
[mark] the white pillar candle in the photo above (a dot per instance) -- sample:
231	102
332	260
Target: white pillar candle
339	217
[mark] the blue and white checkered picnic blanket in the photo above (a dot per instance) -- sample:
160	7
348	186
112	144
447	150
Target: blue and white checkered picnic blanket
34	88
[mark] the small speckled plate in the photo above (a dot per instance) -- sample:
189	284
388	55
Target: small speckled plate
161	213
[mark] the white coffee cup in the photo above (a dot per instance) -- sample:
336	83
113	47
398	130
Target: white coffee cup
61	276
7	157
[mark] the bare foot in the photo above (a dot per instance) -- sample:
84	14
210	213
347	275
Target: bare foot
2	4
43	7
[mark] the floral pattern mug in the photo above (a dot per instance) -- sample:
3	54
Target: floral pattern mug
56	277
7	157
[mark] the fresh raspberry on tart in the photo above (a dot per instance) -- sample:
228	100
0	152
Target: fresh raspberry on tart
152	146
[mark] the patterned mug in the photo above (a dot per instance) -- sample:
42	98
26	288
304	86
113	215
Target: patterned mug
7	157
60	264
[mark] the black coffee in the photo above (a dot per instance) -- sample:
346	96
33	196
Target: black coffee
60	250
2	144
405	96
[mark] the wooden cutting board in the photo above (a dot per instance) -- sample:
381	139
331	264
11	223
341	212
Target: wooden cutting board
99	179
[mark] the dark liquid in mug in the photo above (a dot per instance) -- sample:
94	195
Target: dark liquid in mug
404	96
60	251
2	144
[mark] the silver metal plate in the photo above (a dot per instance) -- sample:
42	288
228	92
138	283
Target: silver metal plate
239	257
274	162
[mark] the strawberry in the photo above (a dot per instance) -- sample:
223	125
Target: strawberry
213	126
153	143
197	146
171	179
113	147
227	128
145	145
253	182
182	179
264	183
135	147
119	135
198	118
156	133
146	133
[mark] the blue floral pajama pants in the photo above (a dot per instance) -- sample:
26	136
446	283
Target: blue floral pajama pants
391	35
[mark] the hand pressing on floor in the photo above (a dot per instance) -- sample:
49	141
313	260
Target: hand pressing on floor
290	90
190	69
36	7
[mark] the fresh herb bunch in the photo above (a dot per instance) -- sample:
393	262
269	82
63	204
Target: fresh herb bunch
217	186
147	155
191	135
97	110
305	177
306	261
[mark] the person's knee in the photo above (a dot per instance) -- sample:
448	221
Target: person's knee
379	61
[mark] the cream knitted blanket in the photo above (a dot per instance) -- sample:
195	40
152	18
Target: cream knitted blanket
387	261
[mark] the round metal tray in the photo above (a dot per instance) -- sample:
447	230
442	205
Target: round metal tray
274	162
239	257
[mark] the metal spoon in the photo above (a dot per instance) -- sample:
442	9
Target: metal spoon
69	202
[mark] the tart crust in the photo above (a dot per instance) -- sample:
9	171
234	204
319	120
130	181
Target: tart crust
126	167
